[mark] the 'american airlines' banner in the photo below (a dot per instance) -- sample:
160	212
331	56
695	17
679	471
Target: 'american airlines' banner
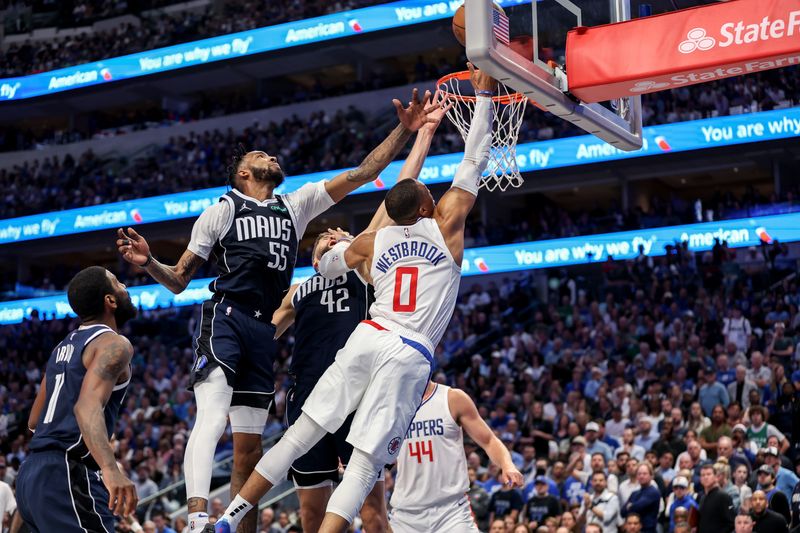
495	259
270	38
531	157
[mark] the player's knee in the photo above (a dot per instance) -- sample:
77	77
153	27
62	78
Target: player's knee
246	452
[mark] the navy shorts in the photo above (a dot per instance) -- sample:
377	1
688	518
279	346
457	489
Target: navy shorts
242	346
321	463
55	493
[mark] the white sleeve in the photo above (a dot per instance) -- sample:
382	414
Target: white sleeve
476	148
210	227
306	203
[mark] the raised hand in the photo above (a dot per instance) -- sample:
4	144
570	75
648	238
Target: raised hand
133	247
480	80
436	111
415	115
339	234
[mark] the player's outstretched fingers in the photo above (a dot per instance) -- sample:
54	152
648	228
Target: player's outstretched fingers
398	105
414	96
131	500
133	235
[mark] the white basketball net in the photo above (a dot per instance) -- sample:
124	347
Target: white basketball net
502	171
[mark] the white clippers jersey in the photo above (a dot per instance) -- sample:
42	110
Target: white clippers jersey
431	465
415	278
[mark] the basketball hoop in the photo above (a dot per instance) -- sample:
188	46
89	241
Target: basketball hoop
509	107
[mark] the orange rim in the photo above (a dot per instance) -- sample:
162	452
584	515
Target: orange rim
464	76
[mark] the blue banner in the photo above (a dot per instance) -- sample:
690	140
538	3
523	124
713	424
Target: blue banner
296	33
495	259
585	149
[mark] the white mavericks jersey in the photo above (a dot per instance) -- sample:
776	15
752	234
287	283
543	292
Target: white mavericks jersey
431	465
415	278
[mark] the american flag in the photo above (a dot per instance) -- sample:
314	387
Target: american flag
500	26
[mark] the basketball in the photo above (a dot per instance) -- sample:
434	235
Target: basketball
460	24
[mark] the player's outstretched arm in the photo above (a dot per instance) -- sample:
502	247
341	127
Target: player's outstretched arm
452	210
38	405
283	317
416	158
466	414
412	118
347	256
135	250
111	357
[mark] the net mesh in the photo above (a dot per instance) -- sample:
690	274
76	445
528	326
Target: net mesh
502	171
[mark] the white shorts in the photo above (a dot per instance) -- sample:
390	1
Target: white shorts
452	517
381	373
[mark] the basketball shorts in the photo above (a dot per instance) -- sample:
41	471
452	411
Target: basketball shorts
242	345
454	516
55	493
382	371
321	463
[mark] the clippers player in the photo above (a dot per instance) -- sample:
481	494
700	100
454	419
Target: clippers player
253	234
70	482
324	314
431	482
384	368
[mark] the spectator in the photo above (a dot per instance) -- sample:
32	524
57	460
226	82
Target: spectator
743	523
645	501
759	430
776	500
739	390
716	508
723	472
479	500
713	393
766	521
162	523
541	505
594	444
145	487
737	330
602	506
266	521
633	524
709	437
681	499
785	479
507	501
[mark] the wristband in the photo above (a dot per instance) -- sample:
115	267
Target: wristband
149	260
484	93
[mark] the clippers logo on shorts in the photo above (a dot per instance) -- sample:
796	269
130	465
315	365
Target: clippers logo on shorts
394	446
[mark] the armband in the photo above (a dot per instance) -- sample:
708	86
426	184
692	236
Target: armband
332	265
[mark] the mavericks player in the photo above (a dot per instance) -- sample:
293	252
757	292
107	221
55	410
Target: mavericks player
253	234
324	314
383	370
70	482
431	483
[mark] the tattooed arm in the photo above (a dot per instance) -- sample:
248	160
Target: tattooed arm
135	250
411	119
109	363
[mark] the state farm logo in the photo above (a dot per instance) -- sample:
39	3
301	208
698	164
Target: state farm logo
647	86
696	40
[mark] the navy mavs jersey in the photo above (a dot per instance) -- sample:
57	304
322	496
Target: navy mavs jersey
57	428
256	255
326	313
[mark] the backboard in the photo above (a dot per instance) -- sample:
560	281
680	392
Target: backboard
533	62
